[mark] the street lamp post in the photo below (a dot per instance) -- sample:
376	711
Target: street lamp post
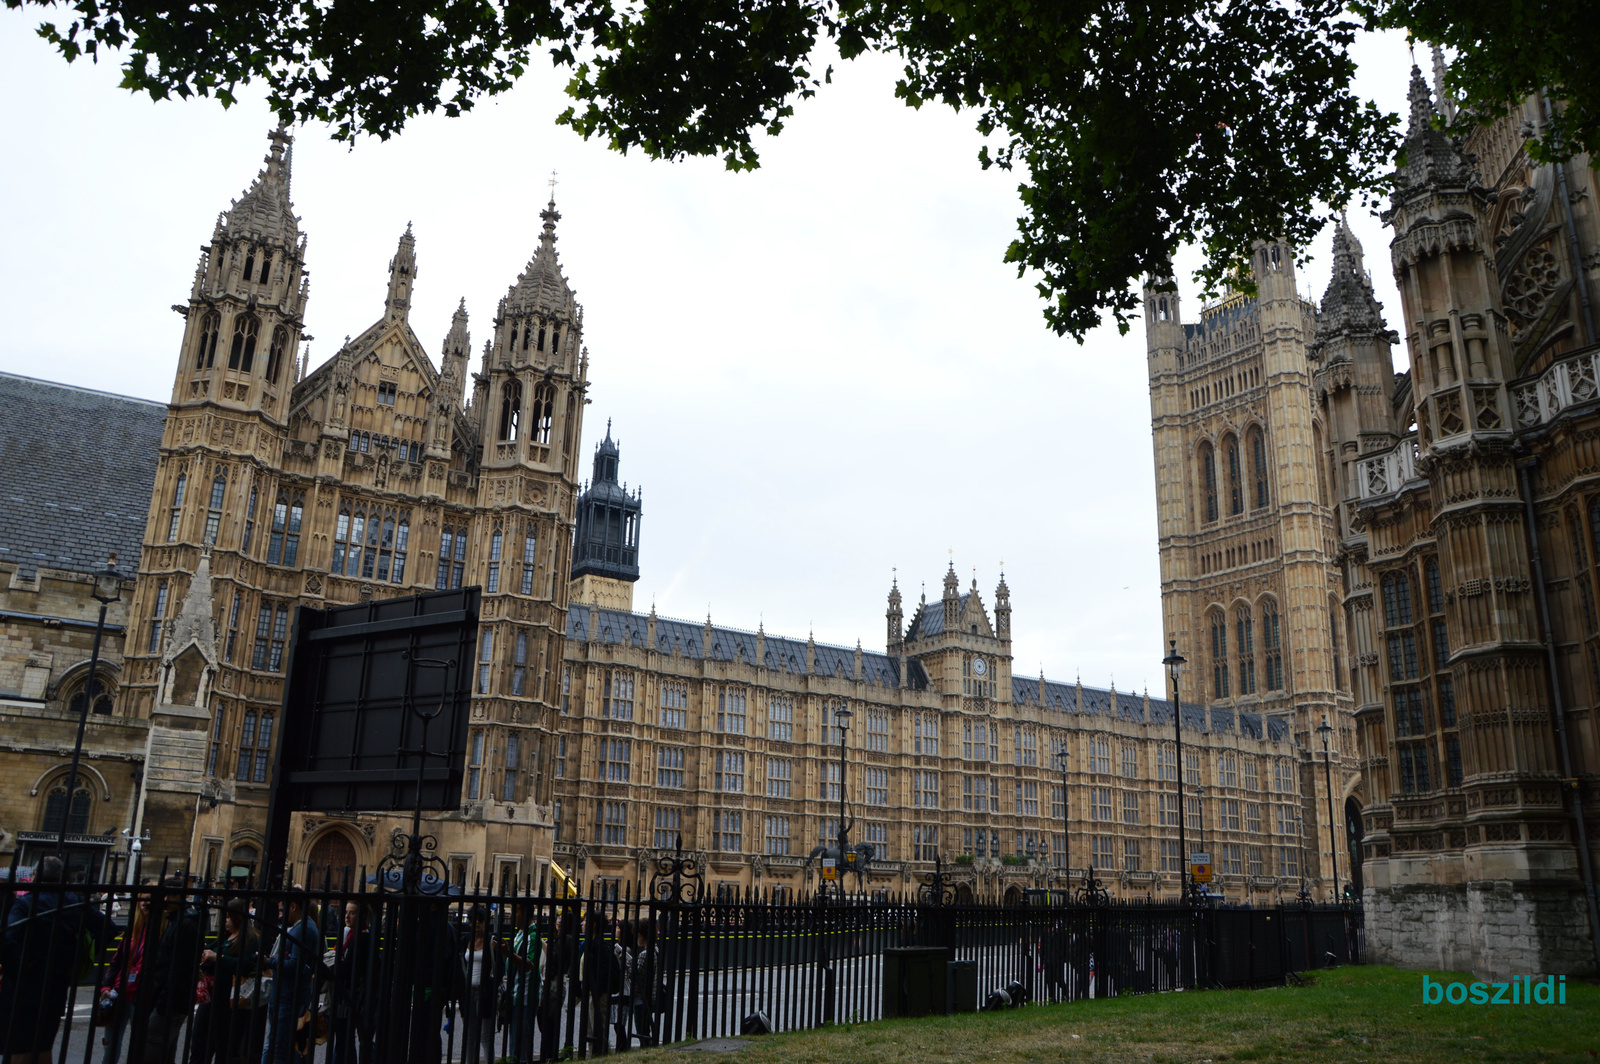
1300	841
842	717
1327	778
1174	662
1062	757
107	589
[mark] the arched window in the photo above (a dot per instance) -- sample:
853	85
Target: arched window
1258	456
206	353
1333	638
1161	309
570	422
241	356
103	693
1245	631
249	264
219	492
1219	654
555	339
510	410
177	506
55	809
266	266
280	341
513	346
1230	450
1272	646
544	410
1208	481
540	344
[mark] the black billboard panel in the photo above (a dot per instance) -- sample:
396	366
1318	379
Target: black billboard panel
351	737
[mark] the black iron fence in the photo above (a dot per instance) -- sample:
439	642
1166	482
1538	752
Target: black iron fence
182	973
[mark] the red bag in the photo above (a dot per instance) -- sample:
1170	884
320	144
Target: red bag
202	989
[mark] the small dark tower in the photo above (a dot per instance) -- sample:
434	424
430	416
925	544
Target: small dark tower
605	550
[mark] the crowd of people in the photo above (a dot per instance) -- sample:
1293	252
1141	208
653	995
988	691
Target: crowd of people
205	977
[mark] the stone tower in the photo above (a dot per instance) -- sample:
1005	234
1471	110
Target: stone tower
1467	660
1249	580
605	551
365	478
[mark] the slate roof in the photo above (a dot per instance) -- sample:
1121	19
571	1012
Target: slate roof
77	468
688	638
929	618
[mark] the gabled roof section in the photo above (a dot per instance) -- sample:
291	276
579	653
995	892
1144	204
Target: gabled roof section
929	618
78	459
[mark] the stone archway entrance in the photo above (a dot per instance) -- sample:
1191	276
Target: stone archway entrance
332	859
1352	834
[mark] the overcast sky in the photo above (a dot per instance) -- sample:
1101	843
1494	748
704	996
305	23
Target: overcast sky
821	372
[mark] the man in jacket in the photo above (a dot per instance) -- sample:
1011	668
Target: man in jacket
293	966
38	958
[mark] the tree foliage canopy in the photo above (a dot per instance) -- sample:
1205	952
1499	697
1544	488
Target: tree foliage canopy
1134	126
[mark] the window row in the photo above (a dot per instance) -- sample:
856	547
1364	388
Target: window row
1236	673
242	347
1234	486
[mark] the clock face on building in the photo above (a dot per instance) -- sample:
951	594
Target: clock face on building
979	668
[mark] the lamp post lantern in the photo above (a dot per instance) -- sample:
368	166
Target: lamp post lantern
1327	779
107	589
1062	757
1174	662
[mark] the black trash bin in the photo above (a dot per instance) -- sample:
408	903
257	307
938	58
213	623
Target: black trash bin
914	981
961	987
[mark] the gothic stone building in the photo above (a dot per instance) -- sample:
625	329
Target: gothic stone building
599	736
1451	513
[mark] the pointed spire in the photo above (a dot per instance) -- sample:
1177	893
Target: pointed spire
1349	304
1421	104
402	275
1446	104
542	286
264	209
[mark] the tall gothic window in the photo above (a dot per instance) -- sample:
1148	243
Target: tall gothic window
544	410
1230	448
1244	626
510	410
219	491
496	541
452	557
284	545
255	747
1272	645
1219	654
1208	481
1396	599
156	614
272	627
177	506
241	356
1258	457
249	522
55	809
280	341
530	545
206	353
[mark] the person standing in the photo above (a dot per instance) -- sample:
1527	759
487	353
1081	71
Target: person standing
293	966
561	962
38	959
644	981
480	956
167	982
351	1030
221	1025
120	986
522	980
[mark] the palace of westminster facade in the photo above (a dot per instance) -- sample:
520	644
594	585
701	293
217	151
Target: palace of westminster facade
1339	544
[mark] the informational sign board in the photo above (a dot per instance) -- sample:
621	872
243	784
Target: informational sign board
830	871
1200	867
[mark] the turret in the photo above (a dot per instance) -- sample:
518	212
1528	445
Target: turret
402	274
605	549
896	619
1002	610
246	306
952	599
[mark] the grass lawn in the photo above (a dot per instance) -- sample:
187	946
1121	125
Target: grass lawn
1347	1015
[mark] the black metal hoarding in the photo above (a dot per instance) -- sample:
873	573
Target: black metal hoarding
358	677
